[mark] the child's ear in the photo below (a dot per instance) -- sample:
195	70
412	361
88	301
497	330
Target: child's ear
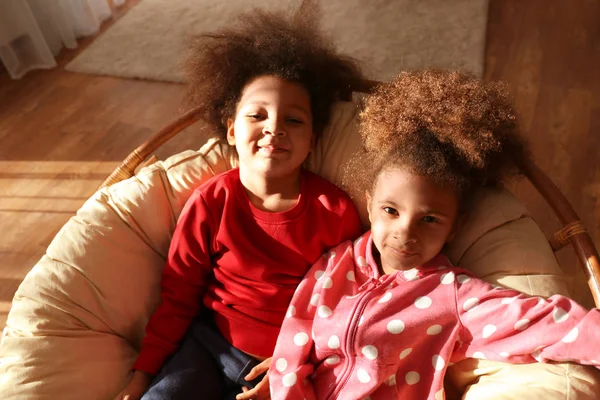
230	132
368	196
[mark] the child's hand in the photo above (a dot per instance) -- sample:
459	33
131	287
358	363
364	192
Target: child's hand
261	390
136	387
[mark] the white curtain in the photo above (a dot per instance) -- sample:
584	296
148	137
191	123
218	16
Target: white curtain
32	32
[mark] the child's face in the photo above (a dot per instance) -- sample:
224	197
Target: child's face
272	130
411	219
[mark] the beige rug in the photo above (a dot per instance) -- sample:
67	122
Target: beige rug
387	35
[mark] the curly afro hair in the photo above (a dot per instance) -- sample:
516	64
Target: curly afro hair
450	127
292	47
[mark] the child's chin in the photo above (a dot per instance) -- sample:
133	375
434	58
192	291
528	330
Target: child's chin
395	266
403	264
277	170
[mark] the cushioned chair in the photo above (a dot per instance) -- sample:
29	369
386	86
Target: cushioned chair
78	318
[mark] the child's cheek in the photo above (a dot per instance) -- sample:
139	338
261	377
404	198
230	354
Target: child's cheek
378	234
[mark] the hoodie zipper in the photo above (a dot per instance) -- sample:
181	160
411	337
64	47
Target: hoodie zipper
351	335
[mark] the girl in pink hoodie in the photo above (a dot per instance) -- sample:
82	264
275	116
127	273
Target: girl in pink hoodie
382	317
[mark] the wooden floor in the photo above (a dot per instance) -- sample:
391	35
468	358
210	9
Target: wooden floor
549	53
61	133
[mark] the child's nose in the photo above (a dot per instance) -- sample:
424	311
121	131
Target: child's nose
404	232
274	127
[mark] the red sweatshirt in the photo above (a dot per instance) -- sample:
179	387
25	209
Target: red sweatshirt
243	263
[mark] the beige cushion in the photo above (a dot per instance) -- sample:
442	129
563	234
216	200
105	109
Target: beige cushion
79	315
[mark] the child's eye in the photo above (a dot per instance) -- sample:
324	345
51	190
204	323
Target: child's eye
254	116
295	120
429	219
390	210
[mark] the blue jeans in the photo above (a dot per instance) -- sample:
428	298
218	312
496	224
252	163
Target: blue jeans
206	366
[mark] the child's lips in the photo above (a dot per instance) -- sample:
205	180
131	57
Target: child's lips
271	150
404	253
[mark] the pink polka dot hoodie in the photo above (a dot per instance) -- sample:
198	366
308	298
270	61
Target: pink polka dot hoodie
352	333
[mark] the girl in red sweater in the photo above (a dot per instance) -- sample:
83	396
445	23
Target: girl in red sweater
383	316
246	238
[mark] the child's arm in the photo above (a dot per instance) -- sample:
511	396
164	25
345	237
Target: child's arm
291	366
506	325
184	279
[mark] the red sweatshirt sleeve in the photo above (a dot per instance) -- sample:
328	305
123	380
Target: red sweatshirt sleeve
351	226
506	325
184	280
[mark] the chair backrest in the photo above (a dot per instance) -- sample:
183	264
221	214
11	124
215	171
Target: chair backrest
573	231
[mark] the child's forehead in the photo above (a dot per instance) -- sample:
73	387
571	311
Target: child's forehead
401	185
267	89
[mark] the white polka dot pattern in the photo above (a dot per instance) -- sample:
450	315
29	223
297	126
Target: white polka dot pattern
324	312
434	330
281	364
385	298
332	360
447	278
300	339
420	307
559	315
333	342
488	331
363	376
438	362
291	312
521	324
405	353
395	326
470	303
370	352
412	378
314	300
411	274
571	336
508	300
423	302
391	381
290	379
